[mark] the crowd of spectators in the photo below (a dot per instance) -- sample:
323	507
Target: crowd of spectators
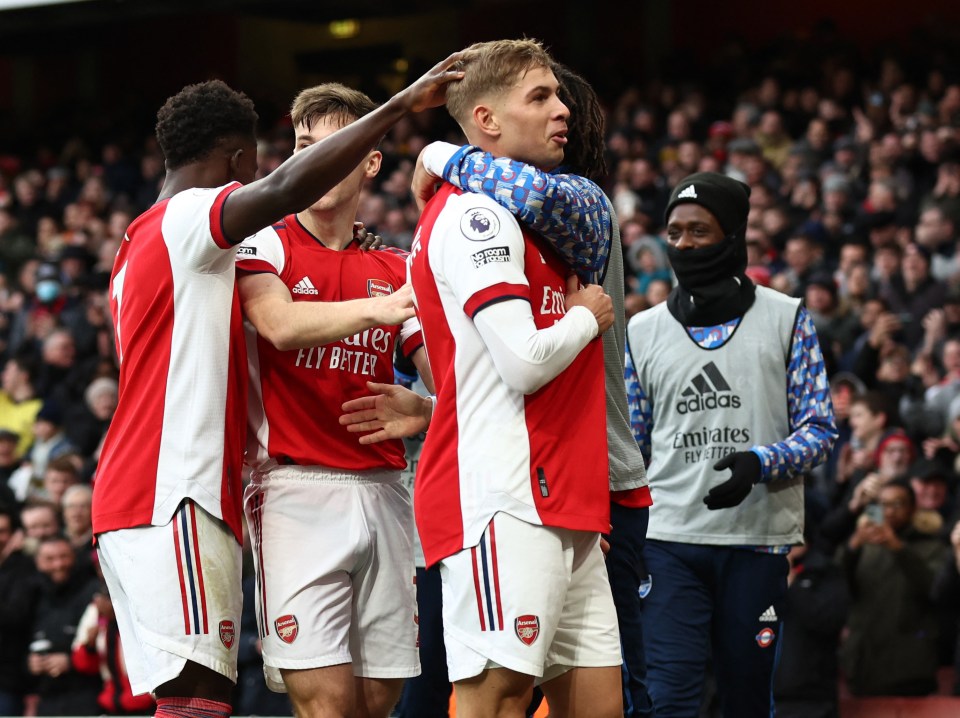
854	166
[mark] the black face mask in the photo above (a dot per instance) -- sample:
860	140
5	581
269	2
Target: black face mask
712	288
700	268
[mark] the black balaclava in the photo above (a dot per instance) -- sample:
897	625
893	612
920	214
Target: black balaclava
713	287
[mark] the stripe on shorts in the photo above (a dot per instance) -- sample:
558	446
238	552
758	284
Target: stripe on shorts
189	570
486	581
261	595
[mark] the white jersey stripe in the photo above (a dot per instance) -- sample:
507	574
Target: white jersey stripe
197	377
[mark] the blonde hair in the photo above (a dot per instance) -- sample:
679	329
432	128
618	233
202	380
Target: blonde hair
491	68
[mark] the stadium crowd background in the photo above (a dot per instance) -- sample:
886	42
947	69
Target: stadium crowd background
853	157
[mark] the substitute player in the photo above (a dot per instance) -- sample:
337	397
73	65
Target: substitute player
508	503
722	376
166	508
347	608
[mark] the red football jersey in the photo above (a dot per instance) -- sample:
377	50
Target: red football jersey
540	457
295	395
179	425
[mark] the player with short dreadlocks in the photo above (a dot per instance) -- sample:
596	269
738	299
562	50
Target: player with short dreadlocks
167	500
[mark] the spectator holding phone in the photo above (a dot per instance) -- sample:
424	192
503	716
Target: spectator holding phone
891	648
890	461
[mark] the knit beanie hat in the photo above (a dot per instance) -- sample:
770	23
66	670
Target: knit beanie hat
725	198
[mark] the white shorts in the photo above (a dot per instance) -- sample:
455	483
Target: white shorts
534	599
335	575
177	595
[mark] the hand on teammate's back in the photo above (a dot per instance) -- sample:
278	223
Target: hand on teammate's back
593	298
430	90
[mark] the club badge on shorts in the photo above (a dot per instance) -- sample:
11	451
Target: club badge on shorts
228	632
765	637
287	628
527	628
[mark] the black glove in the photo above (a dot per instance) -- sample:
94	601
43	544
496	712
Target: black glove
746	472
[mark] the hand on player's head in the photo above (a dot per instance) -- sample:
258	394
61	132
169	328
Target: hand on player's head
430	90
596	300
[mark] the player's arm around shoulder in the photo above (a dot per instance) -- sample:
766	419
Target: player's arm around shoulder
569	211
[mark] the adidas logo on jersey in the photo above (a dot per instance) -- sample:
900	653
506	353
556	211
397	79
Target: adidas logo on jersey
707	390
768	616
689	193
305	286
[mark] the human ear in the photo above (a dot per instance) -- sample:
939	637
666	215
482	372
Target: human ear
486	121
372	165
235	162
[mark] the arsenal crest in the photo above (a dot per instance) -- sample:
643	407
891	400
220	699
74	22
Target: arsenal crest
379	288
287	628
527	628
228	632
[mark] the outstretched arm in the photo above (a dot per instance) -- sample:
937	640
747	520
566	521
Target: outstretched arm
287	324
309	174
570	211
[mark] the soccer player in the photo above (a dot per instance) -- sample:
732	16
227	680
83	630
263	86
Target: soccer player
348	608
167	498
572	214
731	405
507	503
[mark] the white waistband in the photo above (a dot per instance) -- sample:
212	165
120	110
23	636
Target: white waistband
271	470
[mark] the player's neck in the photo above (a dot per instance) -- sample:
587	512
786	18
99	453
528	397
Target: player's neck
195	174
333	229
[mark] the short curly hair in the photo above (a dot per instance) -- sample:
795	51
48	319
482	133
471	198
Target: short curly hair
192	123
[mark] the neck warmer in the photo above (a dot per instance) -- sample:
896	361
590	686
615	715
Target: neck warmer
712	287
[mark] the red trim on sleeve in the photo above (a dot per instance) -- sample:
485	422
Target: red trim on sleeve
496	293
410	346
216	218
256	266
638	498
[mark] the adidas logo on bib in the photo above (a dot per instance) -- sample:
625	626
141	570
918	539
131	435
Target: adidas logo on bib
707	390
